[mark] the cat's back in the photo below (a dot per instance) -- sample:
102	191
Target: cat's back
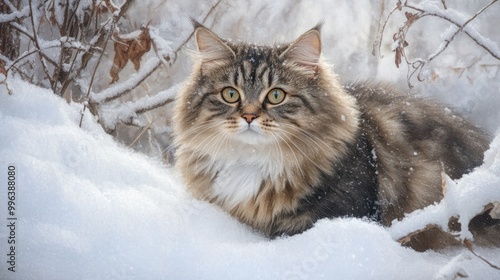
414	140
423	124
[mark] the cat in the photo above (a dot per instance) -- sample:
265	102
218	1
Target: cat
268	134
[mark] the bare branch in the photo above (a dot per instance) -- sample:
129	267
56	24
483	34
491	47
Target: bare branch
141	133
459	24
378	41
448	15
214	6
101	37
37	44
149	67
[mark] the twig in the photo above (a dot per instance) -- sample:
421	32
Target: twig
86	104
11	65
37	44
460	28
469	246
120	89
102	40
192	33
417	65
141	133
378	41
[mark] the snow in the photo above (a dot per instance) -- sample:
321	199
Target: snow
90	208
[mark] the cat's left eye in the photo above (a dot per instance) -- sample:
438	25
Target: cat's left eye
230	95
276	96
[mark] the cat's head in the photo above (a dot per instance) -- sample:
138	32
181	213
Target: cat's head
283	96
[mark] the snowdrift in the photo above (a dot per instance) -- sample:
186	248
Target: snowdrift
89	208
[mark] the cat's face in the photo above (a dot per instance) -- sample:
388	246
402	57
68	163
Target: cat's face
258	95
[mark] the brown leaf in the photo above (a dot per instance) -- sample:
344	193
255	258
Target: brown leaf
52	18
129	49
398	56
410	17
121	57
2	68
139	47
399	5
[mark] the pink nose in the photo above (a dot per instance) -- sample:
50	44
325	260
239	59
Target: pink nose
249	117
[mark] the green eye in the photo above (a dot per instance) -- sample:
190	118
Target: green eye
276	96
230	95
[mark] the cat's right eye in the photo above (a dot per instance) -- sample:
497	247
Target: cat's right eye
230	95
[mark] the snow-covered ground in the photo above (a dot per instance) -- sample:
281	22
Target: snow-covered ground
89	208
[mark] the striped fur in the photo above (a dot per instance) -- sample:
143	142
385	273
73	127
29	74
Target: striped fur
324	151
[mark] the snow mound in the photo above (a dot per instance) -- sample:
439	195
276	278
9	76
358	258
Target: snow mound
89	208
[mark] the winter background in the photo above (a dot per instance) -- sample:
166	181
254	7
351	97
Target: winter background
101	200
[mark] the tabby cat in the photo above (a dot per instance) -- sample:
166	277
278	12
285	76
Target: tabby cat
268	134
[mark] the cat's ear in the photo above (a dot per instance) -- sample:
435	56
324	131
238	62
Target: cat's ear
306	50
211	48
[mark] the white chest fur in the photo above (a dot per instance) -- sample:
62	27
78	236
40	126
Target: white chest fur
242	171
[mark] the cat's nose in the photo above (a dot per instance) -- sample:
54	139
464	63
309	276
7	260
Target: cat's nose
249	117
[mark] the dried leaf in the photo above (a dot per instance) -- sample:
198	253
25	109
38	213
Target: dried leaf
398	56
3	71
410	17
121	57
399	5
129	49
139	47
52	18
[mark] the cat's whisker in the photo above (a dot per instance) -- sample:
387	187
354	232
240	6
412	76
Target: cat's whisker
198	146
310	137
201	148
300	150
278	147
293	153
219	142
196	129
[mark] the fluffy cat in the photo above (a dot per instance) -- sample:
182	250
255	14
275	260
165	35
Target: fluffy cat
268	134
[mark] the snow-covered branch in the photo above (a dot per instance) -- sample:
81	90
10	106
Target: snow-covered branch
460	22
162	47
117	90
127	113
16	15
